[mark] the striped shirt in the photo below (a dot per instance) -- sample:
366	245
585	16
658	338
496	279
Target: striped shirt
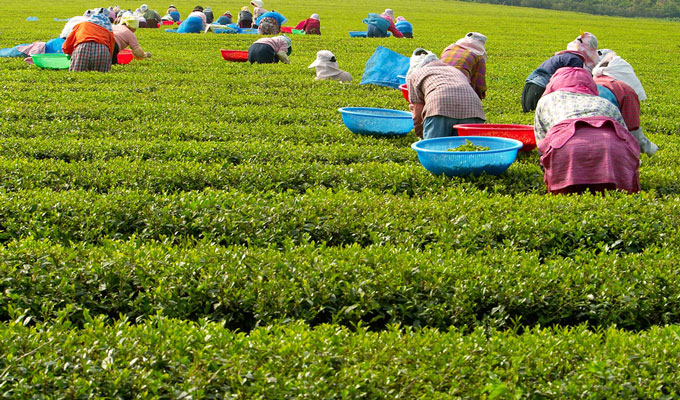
629	103
558	106
445	91
473	66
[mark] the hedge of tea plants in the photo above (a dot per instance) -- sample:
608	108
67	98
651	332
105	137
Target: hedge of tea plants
187	227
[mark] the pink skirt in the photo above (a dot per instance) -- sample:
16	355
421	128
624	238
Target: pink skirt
593	154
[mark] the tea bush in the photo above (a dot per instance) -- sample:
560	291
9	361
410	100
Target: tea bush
187	227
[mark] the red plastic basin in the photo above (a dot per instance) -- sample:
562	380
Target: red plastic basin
523	133
125	56
235	55
168	22
404	90
286	29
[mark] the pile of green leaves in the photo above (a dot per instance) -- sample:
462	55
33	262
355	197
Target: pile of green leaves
469	146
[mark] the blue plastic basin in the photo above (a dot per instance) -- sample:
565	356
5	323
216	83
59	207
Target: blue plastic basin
377	121
435	157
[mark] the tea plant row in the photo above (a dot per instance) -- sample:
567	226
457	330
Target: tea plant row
244	286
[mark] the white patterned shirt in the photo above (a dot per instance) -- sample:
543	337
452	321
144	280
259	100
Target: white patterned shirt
557	106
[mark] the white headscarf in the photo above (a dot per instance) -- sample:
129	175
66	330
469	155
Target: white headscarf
616	67
326	65
68	27
418	61
474	41
390	13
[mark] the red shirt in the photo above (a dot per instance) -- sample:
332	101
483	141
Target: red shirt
393	28
629	103
311	26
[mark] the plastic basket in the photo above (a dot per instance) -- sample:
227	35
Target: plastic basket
435	157
52	60
286	29
235	55
125	56
404	90
357	34
377	121
523	133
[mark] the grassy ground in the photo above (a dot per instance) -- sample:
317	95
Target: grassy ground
173	198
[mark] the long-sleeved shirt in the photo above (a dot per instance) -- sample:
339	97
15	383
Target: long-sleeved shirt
629	103
88	32
125	37
561	105
470	64
541	75
277	43
152	14
311	26
392	28
444	91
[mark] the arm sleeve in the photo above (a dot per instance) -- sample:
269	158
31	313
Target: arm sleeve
133	42
414	94
112	44
395	31
69	43
417	113
539	128
301	25
283	57
138	53
575	62
646	146
480	81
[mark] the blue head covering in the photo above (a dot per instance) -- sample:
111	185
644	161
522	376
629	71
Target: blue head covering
272	14
101	20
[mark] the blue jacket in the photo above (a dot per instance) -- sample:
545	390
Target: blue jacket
377	21
541	75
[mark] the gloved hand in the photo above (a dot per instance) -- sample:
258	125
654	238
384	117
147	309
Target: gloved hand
283	57
646	146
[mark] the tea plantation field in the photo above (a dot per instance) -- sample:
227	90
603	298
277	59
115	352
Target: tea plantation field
186	227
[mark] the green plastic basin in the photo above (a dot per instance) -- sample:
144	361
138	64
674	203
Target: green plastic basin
52	61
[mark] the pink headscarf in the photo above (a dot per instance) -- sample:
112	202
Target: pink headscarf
586	44
572	79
